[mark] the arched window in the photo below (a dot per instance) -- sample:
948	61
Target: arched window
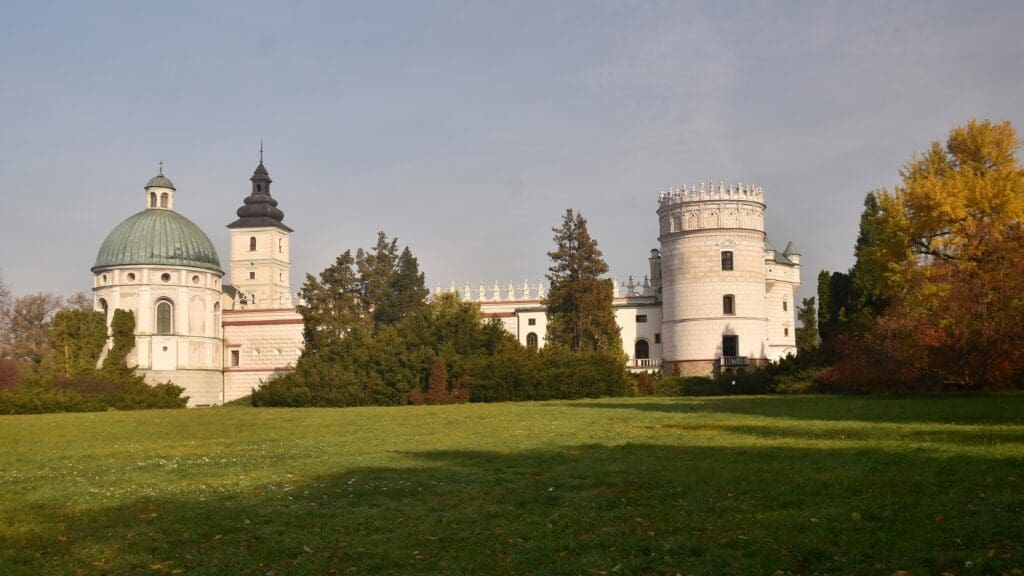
105	309
729	305
280	245
152	199
163	200
531	340
164	317
641	350
252	244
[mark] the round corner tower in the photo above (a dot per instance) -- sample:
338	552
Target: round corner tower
713	278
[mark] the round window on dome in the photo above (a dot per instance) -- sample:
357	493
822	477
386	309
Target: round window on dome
131	276
195	279
165	277
104	278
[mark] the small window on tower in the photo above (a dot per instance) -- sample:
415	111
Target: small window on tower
252	274
727	260
641	318
236	357
163	200
280	245
252	244
532	322
785	331
152	199
729	305
785	305
657	338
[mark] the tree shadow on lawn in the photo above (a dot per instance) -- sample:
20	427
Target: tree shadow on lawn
629	509
952	409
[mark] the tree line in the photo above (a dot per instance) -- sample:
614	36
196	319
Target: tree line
50	358
373	337
934	300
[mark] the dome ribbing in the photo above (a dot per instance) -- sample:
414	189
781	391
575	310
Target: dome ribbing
158	237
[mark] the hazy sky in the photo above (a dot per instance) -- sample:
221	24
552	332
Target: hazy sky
467	128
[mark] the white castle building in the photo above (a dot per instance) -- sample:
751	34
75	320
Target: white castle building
718	296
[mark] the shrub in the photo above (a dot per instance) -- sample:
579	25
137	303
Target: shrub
92	393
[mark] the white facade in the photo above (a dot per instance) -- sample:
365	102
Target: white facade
216	341
718	296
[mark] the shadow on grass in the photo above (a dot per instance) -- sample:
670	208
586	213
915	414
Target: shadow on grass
632	509
959	409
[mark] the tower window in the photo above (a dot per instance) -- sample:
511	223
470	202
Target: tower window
531	340
785	305
641	318
252	274
785	331
280	245
163	200
152	199
729	305
657	338
727	260
236	358
259	188
252	244
164	317
531	322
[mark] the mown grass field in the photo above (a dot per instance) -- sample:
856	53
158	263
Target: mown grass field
756	485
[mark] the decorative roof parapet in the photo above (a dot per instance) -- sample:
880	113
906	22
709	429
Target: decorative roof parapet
722	191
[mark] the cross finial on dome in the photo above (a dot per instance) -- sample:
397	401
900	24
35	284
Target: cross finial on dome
161	168
261	150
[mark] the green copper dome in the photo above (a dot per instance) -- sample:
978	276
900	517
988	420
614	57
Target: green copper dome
158	237
160	181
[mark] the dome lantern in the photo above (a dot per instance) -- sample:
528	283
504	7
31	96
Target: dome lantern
160	191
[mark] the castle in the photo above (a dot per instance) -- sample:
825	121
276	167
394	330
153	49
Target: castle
718	296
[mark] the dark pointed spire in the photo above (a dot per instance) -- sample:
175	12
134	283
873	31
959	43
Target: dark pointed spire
260	208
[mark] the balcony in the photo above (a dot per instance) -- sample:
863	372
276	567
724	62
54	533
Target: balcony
644	364
733	361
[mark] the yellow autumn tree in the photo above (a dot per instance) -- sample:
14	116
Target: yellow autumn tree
947	251
953	201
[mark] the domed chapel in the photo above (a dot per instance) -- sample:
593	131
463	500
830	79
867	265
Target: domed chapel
718	296
217	340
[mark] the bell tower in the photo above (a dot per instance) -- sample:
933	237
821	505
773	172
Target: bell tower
260	248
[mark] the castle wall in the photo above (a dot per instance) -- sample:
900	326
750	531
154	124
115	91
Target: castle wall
263	342
203	387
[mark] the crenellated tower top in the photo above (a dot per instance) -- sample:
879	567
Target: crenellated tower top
721	191
711	206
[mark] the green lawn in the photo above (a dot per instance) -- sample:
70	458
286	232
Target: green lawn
756	485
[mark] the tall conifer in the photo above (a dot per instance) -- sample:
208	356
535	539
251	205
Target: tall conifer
579	302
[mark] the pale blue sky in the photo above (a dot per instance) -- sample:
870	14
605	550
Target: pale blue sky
466	128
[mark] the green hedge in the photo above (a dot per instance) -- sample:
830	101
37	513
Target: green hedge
89	394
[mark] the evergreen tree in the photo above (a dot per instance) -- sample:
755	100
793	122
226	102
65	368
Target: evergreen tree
122	334
807	333
77	337
579	302
392	285
331	305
